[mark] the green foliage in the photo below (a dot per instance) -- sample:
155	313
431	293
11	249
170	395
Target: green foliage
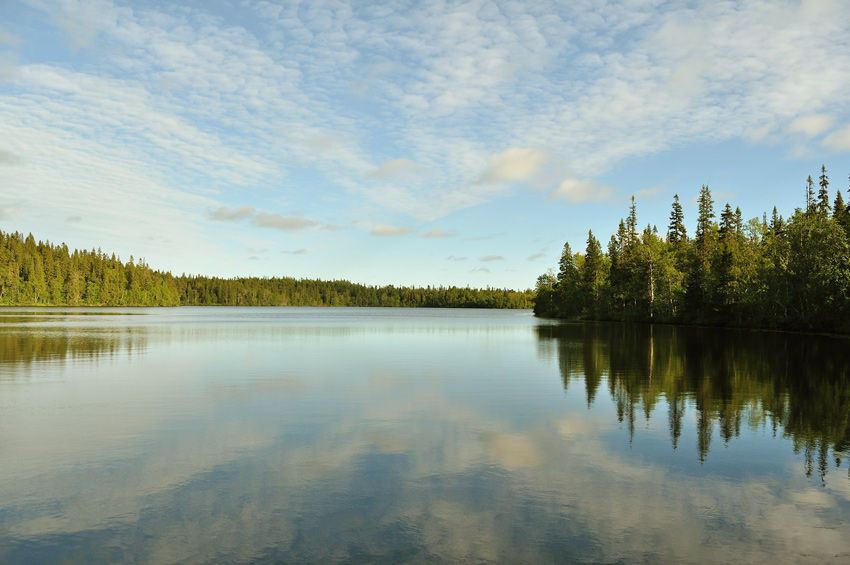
790	274
43	274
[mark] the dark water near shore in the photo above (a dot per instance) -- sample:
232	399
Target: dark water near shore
398	435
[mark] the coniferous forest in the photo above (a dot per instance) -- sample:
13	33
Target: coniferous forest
767	272
43	274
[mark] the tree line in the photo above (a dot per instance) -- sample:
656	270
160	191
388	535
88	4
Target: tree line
43	274
764	272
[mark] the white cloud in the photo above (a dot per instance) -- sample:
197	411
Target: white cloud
516	164
396	169
839	140
489	258
283	223
575	191
438	232
387	230
79	24
8	158
233	214
8	38
812	125
9	212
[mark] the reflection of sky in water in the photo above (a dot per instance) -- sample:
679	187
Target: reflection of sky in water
362	435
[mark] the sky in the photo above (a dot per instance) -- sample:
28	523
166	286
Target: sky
406	143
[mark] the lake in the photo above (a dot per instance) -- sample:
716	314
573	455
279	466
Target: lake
255	435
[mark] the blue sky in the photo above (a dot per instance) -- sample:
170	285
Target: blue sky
406	143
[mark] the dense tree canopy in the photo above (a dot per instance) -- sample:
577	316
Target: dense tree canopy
792	274
40	273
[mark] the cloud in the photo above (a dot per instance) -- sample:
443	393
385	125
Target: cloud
326	144
74	219
384	230
575	191
261	219
300	251
513	451
283	223
396	169
839	140
8	38
9	212
8	66
535	256
514	165
225	214
480	270
79	24
812	125
9	158
437	232
492	258
375	71
454	258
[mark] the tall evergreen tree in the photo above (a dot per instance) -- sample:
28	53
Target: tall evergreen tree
840	213
567	270
676	232
592	272
823	206
631	223
810	194
705	215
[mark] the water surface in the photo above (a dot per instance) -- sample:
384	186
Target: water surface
399	435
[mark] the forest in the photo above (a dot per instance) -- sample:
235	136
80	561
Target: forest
43	274
768	272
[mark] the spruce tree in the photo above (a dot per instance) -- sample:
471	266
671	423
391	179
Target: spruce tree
727	222
567	270
810	194
631	223
592	272
676	232
823	194
705	214
840	213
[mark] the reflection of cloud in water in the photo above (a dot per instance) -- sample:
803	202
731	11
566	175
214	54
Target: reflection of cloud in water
377	463
513	451
560	495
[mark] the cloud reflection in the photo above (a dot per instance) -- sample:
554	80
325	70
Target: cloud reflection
401	446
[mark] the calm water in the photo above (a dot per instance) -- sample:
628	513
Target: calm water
389	435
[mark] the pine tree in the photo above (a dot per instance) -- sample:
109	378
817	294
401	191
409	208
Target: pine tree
700	285
706	214
567	270
810	194
676	232
631	223
592	271
823	194
838	208
727	223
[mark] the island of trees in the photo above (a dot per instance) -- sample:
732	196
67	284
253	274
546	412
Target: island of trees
44	274
764	272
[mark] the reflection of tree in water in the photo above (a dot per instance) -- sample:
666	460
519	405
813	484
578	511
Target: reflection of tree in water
799	384
25	347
